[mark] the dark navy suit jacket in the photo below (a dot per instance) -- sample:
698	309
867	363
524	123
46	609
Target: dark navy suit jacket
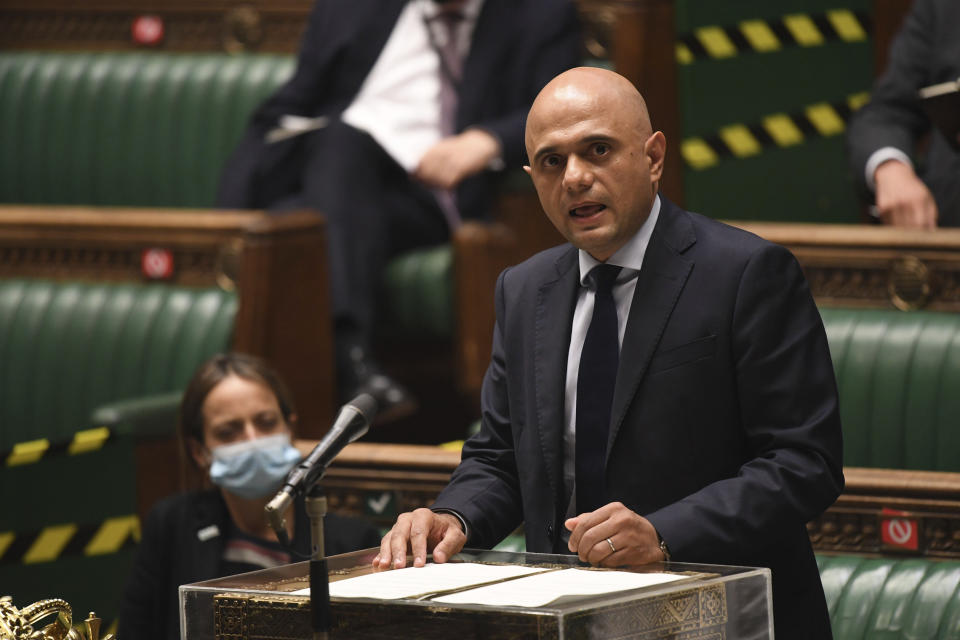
517	47
725	431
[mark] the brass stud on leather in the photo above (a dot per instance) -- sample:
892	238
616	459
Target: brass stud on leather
909	283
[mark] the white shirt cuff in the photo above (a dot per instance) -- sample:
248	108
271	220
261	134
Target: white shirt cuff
880	156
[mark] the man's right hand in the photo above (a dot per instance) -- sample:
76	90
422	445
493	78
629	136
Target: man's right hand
421	531
902	198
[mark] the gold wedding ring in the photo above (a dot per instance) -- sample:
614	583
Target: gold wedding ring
613	549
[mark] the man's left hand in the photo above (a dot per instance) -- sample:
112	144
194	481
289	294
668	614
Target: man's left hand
632	539
448	162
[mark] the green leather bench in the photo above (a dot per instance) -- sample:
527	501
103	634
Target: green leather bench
76	355
154	130
85	370
889	598
898	374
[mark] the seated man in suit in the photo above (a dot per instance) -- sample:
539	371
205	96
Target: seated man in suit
660	389
397	117
886	132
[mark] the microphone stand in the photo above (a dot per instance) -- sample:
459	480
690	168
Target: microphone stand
316	506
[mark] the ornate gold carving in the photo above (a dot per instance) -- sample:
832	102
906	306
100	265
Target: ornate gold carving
909	283
19	624
598	25
242	29
227	268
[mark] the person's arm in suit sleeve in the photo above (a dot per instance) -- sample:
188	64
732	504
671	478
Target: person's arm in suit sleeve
790	420
485	488
884	133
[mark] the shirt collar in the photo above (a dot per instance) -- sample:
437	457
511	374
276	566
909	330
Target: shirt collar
629	256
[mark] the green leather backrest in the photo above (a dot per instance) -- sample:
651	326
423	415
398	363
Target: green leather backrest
66	348
418	293
899	376
890	598
133	129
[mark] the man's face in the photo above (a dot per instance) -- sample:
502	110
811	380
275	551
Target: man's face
594	164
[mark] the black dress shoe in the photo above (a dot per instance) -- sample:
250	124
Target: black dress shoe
360	374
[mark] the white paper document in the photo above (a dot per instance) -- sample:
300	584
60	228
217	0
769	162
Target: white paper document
414	581
521	587
542	589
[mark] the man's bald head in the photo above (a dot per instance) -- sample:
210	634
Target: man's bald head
594	158
587	89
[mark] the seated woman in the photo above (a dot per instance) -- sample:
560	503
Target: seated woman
236	424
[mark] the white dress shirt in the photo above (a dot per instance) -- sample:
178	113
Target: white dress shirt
399	101
630	257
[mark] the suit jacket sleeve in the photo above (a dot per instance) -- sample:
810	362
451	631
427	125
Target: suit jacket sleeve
485	486
893	117
787	399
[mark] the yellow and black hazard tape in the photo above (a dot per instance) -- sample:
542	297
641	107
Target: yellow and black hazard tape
765	36
69	539
35	450
743	140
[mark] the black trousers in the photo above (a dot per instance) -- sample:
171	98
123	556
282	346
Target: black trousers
374	211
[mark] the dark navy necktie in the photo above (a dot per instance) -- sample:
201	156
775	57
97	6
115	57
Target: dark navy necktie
595	382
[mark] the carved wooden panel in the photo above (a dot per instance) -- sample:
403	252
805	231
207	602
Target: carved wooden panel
277	263
873	266
921	508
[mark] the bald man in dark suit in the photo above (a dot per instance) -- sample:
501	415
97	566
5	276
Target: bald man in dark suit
720	436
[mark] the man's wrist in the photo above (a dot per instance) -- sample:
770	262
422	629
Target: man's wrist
460	519
880	157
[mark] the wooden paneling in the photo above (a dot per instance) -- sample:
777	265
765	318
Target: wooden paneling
277	264
873	266
397	478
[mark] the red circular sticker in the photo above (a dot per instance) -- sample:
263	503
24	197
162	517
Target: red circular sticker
900	530
147	30
157	264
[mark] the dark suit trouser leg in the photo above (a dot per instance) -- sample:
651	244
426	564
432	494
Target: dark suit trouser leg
374	211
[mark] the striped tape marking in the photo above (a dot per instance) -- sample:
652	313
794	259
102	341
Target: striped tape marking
35	450
88	440
718	42
27	452
69	539
49	543
783	130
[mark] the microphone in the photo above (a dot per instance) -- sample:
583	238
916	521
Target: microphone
351	423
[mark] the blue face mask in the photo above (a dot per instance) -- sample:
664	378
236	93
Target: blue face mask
253	468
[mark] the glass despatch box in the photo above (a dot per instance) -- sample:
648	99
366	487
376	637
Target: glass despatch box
486	595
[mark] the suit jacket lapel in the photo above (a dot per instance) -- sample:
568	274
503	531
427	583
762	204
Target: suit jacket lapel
208	553
662	278
556	299
488	38
373	36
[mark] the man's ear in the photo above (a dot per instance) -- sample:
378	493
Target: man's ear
655	150
527	168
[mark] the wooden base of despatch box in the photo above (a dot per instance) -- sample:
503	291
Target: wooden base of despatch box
698	613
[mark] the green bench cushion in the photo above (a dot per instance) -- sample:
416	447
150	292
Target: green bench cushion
898	374
891	598
68	347
131	129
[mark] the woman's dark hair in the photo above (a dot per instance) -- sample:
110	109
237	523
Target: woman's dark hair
214	371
